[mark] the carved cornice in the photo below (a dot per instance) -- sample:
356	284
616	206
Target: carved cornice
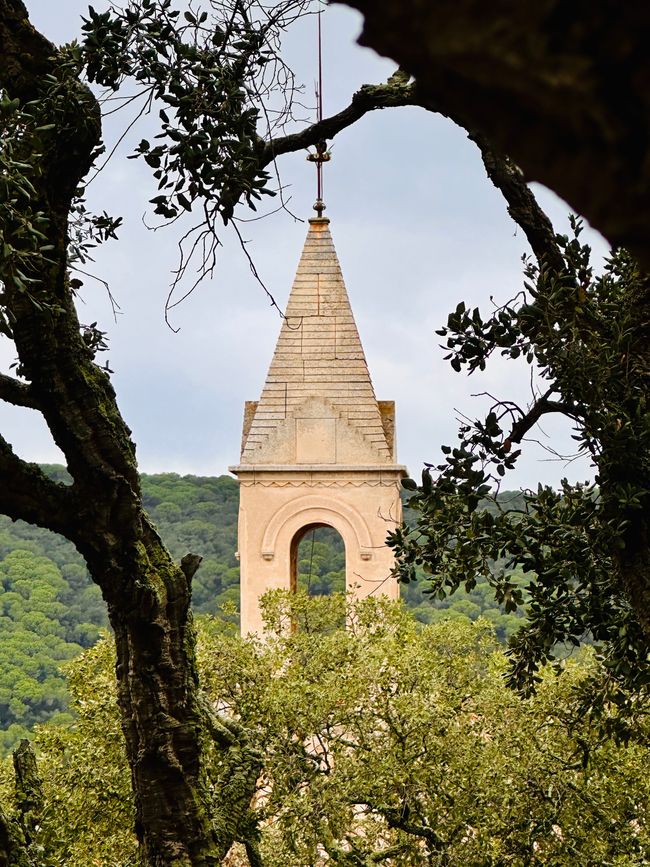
318	483
301	469
320	475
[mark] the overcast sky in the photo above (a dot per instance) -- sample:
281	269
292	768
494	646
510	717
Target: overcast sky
417	227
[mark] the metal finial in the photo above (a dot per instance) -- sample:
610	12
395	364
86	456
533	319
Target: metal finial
322	155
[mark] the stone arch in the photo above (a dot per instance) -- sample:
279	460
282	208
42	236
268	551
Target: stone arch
314	509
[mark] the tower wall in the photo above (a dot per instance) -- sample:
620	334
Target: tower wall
276	505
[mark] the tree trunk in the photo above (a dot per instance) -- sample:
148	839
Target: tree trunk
184	818
28	793
148	600
13	850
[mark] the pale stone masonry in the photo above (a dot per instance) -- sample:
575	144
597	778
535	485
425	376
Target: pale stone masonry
317	448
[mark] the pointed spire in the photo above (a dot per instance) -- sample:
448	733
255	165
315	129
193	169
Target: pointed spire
318	374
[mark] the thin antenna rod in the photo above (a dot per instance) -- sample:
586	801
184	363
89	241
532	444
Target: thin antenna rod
322	154
319	101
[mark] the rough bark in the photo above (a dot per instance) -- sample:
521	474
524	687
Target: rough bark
13	851
28	794
148	595
563	88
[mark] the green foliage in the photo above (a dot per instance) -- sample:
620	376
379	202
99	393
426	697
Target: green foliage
469	601
199	514
27	132
34	641
208	79
82	610
50	608
390	740
193	513
50	611
382	743
85	774
583	551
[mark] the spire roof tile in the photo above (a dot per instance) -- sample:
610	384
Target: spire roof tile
318	356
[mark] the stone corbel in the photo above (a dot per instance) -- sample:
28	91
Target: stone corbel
365	554
267	555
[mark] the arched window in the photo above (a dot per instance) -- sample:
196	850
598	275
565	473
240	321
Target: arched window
318	560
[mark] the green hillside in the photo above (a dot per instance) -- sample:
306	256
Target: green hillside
50	610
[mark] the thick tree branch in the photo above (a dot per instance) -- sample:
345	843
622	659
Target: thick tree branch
399	818
26	493
522	204
16	392
504	174
394	93
253	854
26	53
542	406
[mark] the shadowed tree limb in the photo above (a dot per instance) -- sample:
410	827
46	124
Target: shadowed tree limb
399	91
542	406
17	392
26	493
395	93
253	854
522	204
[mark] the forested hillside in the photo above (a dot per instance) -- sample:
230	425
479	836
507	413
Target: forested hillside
50	610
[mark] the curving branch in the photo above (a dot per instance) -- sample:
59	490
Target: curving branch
16	392
542	406
396	92
522	204
26	493
400	91
399	818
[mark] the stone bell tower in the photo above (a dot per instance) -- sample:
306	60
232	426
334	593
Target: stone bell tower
318	448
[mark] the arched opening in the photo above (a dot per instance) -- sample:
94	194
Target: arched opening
318	560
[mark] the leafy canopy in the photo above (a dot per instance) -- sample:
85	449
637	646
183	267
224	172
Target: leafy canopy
380	743
582	547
